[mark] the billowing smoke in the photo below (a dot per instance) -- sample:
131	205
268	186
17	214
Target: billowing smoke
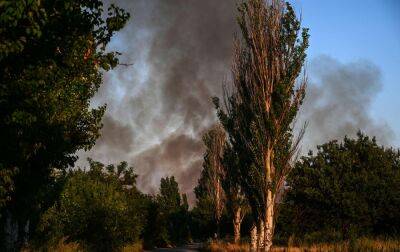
158	108
338	101
181	51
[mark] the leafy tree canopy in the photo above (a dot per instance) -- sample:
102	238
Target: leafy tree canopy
350	187
96	209
52	55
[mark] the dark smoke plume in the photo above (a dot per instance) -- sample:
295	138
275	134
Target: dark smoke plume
158	109
181	50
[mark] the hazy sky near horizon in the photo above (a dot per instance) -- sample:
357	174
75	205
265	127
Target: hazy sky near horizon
159	108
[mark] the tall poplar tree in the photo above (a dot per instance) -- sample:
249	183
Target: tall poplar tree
210	182
236	202
263	103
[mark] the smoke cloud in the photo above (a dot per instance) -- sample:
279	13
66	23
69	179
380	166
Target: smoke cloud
181	52
159	108
338	101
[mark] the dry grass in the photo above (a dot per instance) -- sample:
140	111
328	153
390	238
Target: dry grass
362	244
69	247
218	246
74	247
60	247
136	247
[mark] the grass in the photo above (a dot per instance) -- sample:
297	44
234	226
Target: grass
70	247
136	247
75	247
362	244
218	246
60	247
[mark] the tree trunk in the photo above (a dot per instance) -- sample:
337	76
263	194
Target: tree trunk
218	204
269	211
253	238
261	235
237	221
269	222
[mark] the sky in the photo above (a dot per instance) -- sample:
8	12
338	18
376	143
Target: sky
360	29
159	108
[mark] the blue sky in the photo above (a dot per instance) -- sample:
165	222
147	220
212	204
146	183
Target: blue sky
354	30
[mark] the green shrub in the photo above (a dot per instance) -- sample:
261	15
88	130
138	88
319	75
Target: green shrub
96	209
349	186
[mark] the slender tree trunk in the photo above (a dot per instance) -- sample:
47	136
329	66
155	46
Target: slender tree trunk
269	222
253	238
269	210
260	235
218	205
237	221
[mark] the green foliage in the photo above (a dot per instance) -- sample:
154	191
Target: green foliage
168	216
155	232
52	54
209	191
212	173
350	188
169	197
203	216
6	185
19	20
203	224
203	189
100	210
231	182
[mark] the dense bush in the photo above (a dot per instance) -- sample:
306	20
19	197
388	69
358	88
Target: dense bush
167	217
100	210
349	188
